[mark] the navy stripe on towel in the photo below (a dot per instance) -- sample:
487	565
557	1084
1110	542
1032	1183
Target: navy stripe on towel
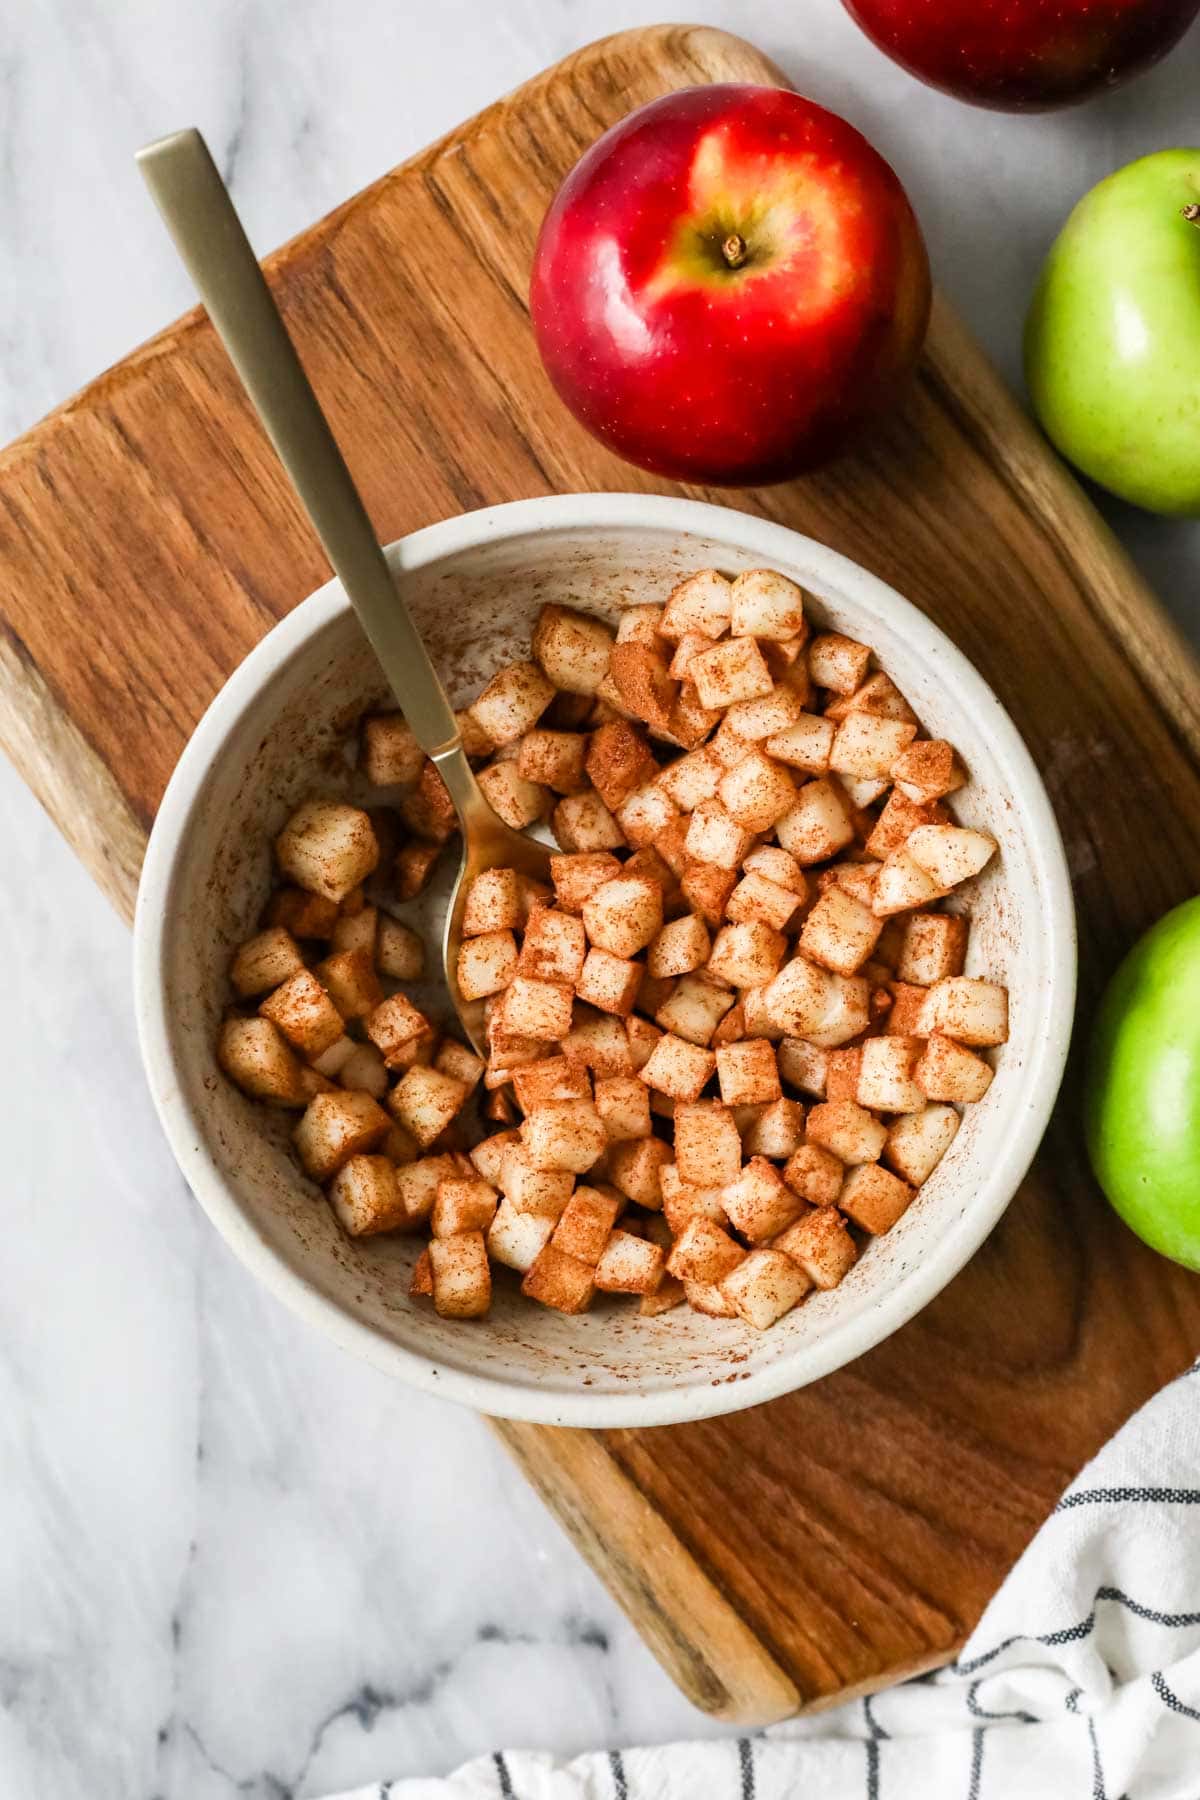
976	1764
746	1767
617	1766
507	1790
1123	1496
872	1749
1170	1698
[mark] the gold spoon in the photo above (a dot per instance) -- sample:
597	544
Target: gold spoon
194	201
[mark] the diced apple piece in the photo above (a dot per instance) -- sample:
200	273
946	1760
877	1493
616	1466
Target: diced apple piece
702	603
906	1007
803	1065
265	961
678	1068
707	888
516	1239
327	847
585	1224
572	648
642	1037
949	1071
841	1080
365	1197
766	604
804	744
554	947
695	1009
840	932
619	761
635	1170
706	1297
757	720
389	754
517	801
560	1281
486	964
488	1156
583	824
425	1100
866	747
624	915
874	1199
399	951
764	1287
703	1252
848	1130
303	1011
886	1080
564	1134
897	822
927	770
258	1059
878	695
837	662
950	854
755	793
714	836
818	825
533	1190
353	985
970	1011
577	876
934	946
776	1129
629	1265
747	954
513	701
917	1142
821	1243
758	899
462	1280
463	1203
815	1174
901	885
555	1078
413	867
639	673
427	808
708	1147
455	1059
600	1042
681	946
759	1203
609	982
734	670
304	915
624	1107
692	778
336	1127
536	1009
553	759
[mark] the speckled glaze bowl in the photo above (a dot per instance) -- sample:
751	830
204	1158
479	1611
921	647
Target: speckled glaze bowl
276	731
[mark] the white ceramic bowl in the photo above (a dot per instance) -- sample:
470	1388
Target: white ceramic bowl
274	732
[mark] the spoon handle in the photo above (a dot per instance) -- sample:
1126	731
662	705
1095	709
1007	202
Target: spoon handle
194	201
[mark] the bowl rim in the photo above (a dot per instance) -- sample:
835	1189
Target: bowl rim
546	1403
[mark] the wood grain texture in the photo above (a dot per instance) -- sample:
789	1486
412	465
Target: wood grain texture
835	1539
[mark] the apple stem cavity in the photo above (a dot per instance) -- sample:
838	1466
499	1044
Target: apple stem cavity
734	249
1191	212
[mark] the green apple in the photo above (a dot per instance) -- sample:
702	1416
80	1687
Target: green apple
1143	1095
1112	343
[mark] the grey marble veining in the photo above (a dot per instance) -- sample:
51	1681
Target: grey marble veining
232	1561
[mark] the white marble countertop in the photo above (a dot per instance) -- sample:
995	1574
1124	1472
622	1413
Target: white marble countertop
233	1562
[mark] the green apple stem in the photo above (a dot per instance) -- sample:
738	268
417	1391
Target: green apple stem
1191	213
734	249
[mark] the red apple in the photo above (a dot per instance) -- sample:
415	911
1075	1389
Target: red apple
1024	55
728	285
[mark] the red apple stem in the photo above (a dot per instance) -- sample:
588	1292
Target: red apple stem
734	249
1191	212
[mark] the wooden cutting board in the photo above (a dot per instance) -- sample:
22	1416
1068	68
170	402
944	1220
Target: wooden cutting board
838	1539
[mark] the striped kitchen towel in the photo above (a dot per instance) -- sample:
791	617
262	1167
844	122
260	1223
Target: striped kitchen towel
1081	1680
